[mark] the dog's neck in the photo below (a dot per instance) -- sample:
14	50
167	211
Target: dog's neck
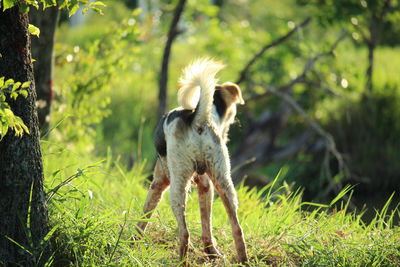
223	120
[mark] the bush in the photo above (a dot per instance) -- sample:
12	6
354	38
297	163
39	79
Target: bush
367	132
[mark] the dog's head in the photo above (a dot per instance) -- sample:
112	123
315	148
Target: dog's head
226	97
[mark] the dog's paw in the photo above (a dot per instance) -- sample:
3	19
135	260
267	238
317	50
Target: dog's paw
212	252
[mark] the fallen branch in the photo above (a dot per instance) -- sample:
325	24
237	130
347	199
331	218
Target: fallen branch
332	145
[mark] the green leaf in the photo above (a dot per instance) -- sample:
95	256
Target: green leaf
34	30
1	82
8	83
26	84
33	3
4	104
97	3
48	3
3	130
8	4
24	8
14	95
16	86
73	7
19	127
24	93
98	10
62	4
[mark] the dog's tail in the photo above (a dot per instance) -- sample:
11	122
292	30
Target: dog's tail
197	87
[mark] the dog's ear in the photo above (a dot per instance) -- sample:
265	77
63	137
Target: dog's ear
232	93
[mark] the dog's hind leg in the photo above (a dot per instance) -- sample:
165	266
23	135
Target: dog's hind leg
158	186
206	195
220	175
178	195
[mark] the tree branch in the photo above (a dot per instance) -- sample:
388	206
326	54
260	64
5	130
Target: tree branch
243	73
309	65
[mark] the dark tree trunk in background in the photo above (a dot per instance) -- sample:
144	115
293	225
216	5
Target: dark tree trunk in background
173	32
371	49
42	52
20	158
371	44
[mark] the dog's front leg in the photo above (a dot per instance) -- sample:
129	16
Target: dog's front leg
178	196
205	191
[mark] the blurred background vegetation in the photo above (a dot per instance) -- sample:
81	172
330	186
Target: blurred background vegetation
309	102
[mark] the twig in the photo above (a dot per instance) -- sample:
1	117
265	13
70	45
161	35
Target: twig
243	73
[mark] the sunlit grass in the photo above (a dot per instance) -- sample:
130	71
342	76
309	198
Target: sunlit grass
95	205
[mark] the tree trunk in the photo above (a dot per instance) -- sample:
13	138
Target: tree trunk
173	32
20	158
371	49
374	32
42	52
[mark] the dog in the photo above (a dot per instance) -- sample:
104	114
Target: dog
191	146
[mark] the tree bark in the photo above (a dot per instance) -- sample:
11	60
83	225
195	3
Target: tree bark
20	158
173	32
42	52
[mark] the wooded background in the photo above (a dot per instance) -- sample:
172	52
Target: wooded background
319	80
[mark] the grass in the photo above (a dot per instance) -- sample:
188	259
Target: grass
95	205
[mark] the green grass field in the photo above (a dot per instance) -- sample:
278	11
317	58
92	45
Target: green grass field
94	206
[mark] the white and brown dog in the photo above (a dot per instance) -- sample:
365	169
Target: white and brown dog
191	146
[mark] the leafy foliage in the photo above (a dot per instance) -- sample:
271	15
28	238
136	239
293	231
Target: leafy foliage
71	5
89	74
369	22
14	89
8	120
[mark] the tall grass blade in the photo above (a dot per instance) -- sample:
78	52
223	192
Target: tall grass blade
19	245
119	237
55	126
341	194
28	219
384	210
282	173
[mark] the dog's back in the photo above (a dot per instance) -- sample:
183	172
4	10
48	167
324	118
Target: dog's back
186	124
